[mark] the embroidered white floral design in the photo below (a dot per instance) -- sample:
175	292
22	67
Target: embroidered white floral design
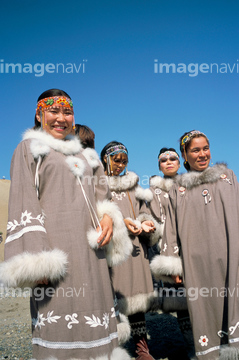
106	320
73	320
26	218
203	340
165	246
176	249
166	195
40	320
232	329
119	196
50	319
95	321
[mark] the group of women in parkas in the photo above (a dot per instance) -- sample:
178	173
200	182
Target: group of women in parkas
79	233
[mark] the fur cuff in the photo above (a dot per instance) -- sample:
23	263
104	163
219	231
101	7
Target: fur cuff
25	269
163	267
154	237
117	354
120	246
143	194
123	329
229	353
137	303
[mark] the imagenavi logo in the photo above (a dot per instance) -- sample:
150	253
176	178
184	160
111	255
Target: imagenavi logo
39	69
193	69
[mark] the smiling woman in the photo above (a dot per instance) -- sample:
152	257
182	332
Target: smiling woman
59	239
200	248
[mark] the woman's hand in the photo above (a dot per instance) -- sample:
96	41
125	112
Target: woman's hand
42	282
148	226
177	279
132	227
107	231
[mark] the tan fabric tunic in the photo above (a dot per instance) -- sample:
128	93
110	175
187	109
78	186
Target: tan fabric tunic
74	315
132	280
203	224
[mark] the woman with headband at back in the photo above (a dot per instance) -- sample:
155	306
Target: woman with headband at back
132	280
59	241
200	247
168	298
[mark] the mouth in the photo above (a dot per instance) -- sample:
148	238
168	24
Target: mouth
59	128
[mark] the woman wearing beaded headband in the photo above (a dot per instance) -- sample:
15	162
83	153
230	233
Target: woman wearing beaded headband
59	241
168	298
200	247
132	280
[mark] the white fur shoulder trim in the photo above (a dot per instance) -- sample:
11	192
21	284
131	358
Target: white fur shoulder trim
195	178
161	183
25	269
124	182
91	157
70	146
143	194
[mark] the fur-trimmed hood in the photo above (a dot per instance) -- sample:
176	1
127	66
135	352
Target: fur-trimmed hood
195	178
124	182
42	142
164	184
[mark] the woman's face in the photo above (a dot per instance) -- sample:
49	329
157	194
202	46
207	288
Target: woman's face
118	163
169	165
198	154
58	121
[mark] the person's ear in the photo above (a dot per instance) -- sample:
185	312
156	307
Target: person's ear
105	159
38	118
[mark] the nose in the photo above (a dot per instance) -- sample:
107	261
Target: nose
202	152
60	116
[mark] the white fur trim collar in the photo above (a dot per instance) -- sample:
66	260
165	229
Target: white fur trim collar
124	182
43	141
164	184
195	178
92	157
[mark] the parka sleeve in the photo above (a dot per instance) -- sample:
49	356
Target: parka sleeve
145	196
169	262
120	246
28	257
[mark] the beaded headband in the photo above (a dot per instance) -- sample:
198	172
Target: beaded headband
116	149
168	153
188	137
54	101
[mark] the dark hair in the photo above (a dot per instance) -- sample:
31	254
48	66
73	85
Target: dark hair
185	163
86	136
103	151
46	94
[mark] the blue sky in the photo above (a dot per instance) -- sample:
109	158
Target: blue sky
108	50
